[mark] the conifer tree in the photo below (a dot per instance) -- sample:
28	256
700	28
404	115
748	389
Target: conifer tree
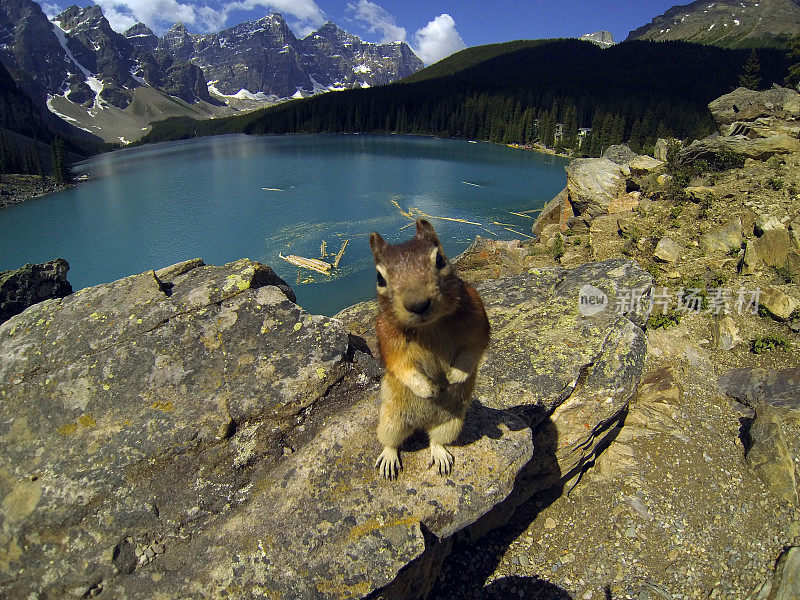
793	79
751	73
61	174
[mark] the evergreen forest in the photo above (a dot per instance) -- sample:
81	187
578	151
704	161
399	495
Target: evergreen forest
546	92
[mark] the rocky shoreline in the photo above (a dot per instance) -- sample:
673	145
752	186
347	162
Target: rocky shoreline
15	189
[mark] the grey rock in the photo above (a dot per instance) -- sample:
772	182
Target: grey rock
642	165
726	333
744	105
161	420
620	154
662	148
776	248
32	284
556	212
749	259
604	39
765	223
760	148
593	184
780	389
769	456
667	250
785	584
723	239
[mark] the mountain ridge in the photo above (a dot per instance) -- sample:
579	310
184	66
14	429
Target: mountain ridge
81	70
726	23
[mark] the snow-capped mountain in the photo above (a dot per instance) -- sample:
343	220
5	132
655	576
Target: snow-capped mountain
264	57
604	39
113	84
729	23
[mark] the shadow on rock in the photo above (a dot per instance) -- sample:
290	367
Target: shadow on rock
523	587
477	551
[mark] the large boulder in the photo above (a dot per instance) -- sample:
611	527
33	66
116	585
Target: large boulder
197	434
31	284
567	353
594	184
759	148
193	433
751	124
556	212
780	389
620	154
744	105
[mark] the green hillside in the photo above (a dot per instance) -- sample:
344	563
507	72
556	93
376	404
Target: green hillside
517	92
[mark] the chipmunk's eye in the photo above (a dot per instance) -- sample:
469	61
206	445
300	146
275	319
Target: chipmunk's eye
381	280
440	261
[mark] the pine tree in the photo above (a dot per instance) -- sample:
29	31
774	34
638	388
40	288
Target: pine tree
570	131
61	174
793	79
751	74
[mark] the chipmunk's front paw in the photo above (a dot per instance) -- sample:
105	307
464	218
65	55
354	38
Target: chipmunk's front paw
422	386
388	463
456	375
441	459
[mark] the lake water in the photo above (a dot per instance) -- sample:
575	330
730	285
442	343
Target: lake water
150	207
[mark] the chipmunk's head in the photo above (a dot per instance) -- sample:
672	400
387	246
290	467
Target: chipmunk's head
415	280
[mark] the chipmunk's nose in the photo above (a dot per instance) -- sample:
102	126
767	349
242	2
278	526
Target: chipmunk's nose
417	306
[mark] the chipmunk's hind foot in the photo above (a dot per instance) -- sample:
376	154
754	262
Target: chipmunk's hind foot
388	463
441	459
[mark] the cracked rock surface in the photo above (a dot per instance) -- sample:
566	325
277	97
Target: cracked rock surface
194	433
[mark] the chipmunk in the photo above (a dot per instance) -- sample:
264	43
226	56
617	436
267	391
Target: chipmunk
432	331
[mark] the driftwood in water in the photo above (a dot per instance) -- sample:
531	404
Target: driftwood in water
320	266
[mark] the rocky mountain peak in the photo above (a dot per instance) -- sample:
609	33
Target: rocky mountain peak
604	39
332	32
81	65
141	37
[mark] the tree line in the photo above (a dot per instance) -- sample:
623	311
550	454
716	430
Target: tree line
534	92
25	159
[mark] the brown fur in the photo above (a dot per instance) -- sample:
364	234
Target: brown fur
432	330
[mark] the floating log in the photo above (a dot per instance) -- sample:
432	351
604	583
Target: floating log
319	266
272	189
339	255
426	215
520	214
519	233
472	184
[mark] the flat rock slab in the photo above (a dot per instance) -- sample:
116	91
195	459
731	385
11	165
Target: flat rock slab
779	389
323	525
543	337
205	436
569	375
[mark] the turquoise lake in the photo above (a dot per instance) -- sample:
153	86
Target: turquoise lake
146	208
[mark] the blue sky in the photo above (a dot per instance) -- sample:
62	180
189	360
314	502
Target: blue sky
433	28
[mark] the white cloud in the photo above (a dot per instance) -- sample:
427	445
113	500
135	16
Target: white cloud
437	39
51	10
377	20
159	15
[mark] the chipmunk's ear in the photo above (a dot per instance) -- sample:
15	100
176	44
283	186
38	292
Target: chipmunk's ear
377	244
425	231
